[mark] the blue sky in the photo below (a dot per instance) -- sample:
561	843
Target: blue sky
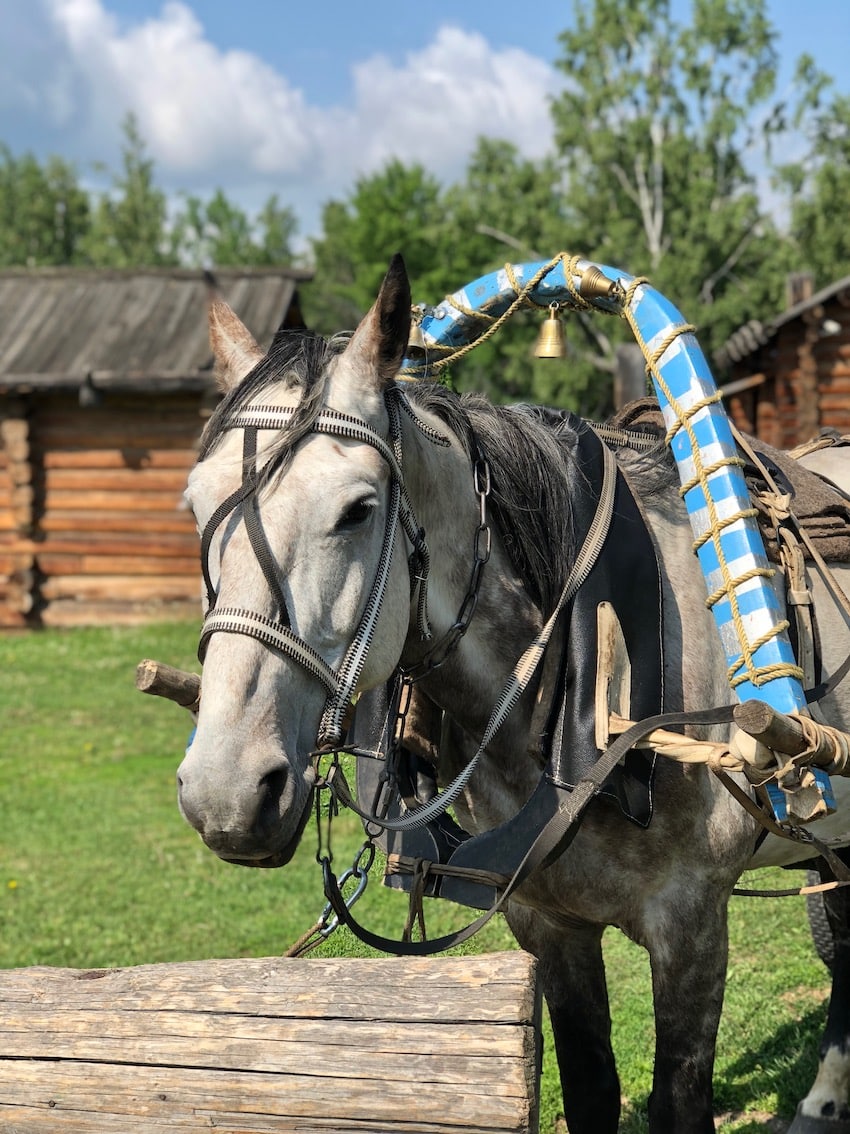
299	98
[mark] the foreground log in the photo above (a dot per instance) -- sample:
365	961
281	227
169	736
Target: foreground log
446	1046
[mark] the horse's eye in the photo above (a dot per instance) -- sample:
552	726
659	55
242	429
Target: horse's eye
356	515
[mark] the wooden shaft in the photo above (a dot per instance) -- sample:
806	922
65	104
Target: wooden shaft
176	685
772	728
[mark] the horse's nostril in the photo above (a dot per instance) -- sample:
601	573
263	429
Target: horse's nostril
271	789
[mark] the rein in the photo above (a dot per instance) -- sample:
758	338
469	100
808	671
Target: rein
340	685
519	678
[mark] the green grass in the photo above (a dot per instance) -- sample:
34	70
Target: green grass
98	869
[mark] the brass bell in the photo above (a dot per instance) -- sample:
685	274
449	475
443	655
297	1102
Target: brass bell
551	342
416	340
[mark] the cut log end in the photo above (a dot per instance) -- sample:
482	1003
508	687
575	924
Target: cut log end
161	680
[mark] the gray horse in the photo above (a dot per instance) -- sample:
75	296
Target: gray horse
317	476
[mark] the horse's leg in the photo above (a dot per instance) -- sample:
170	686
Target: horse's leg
688	948
572	976
826	1108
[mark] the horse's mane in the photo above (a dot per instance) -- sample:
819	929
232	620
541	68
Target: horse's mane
530	452
531	468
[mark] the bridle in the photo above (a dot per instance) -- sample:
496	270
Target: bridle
277	633
548	833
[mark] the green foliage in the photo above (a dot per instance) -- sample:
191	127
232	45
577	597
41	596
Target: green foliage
394	210
508	209
44	214
128	226
819	190
219	233
46	219
655	126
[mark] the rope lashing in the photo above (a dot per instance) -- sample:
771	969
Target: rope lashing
522	298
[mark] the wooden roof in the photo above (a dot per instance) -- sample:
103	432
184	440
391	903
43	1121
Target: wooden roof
62	326
749	338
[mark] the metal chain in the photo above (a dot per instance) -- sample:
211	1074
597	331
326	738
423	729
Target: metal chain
327	924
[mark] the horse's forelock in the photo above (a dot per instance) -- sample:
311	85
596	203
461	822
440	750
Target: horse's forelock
297	358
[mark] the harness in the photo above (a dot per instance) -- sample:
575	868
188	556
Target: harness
761	668
549	820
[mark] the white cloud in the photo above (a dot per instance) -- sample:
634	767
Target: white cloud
226	117
198	108
434	107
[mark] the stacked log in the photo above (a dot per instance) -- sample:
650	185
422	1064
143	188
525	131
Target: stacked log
274	1046
17	498
116	541
834	367
804	369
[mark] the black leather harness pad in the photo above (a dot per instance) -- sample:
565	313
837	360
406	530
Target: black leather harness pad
626	575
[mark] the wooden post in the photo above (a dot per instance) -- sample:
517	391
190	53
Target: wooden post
163	680
630	375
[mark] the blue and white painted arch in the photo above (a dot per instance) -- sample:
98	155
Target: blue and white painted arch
727	540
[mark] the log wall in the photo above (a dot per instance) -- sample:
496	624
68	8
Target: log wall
92	523
806	384
274	1046
17	514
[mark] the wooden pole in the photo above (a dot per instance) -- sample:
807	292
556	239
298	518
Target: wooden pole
176	685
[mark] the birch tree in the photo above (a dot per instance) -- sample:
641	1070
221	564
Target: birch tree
667	131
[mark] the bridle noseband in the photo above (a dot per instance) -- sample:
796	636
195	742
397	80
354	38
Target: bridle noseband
277	634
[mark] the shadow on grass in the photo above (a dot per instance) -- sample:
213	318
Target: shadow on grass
784	1065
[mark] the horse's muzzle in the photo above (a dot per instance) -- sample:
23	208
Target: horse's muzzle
253	822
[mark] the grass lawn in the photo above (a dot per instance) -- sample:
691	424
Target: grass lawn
98	869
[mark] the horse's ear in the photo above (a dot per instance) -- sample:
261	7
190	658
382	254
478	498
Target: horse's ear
380	342
234	347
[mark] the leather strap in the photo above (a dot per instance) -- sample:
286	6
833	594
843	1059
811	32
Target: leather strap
550	842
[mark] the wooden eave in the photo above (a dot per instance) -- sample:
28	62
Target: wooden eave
61	328
752	337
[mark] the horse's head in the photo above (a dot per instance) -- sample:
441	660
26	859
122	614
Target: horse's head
303	517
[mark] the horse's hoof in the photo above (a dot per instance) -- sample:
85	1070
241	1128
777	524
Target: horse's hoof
808	1124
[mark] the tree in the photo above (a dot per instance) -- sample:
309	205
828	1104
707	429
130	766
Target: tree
503	207
219	233
508	208
44	214
46	218
397	209
818	187
128	227
662	128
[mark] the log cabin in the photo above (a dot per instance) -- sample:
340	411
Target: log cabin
105	384
786	380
